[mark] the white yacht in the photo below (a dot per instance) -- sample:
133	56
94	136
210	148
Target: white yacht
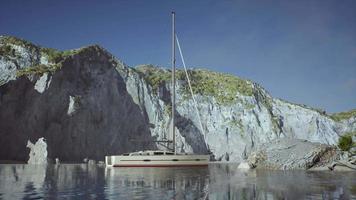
159	158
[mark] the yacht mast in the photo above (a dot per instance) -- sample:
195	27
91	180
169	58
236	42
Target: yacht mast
173	92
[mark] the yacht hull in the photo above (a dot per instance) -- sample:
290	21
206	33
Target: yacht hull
157	161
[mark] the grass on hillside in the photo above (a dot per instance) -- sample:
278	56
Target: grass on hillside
343	115
345	142
18	42
223	87
37	70
55	56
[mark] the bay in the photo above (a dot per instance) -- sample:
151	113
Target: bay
217	181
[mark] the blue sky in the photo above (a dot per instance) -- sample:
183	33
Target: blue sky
302	51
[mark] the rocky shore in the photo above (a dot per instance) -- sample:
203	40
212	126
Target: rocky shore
287	154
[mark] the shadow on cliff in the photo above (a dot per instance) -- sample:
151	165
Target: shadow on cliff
191	133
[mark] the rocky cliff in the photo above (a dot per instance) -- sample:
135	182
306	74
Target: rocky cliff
86	103
75	100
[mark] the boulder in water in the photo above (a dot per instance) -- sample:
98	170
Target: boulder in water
292	154
244	165
38	152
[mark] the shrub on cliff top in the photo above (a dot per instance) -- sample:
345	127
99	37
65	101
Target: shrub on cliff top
345	142
343	115
155	76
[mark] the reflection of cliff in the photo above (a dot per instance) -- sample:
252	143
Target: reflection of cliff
291	184
42	182
218	181
225	181
228	182
22	181
81	181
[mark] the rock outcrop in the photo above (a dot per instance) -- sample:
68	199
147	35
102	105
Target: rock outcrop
38	152
287	154
88	104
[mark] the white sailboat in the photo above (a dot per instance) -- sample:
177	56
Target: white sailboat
159	158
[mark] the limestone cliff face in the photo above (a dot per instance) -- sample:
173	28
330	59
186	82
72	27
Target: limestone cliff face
235	127
86	103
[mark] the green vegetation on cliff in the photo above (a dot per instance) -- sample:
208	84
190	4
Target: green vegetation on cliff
37	69
17	41
55	56
223	87
7	50
155	76
7	42
345	142
343	115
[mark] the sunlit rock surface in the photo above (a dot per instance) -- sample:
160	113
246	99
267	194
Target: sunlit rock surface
288	154
71	106
234	129
88	104
43	83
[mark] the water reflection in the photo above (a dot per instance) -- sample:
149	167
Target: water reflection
218	181
155	183
21	181
264	184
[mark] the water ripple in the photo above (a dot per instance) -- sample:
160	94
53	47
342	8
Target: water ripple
218	181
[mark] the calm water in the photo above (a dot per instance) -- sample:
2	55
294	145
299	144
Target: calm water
218	181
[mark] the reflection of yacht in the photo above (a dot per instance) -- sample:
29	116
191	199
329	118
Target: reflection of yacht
157	158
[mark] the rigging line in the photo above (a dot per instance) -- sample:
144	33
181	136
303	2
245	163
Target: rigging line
190	87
